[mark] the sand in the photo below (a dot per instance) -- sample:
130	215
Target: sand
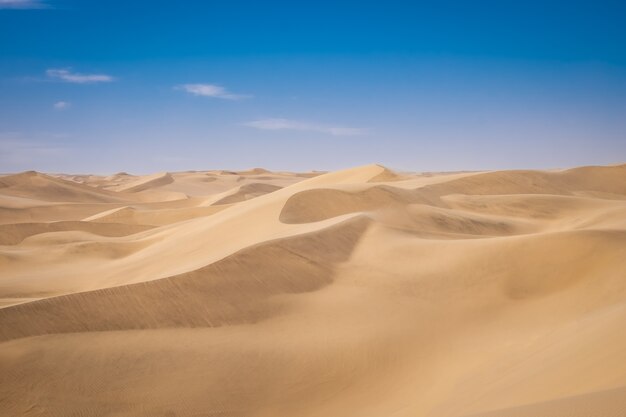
362	292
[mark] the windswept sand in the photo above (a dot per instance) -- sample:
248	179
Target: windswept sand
361	292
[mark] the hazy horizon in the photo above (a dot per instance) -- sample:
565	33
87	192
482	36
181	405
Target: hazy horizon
346	168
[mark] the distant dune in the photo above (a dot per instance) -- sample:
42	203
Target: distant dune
146	183
362	292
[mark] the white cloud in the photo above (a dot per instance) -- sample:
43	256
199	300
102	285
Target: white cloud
211	90
23	4
73	77
61	105
285	124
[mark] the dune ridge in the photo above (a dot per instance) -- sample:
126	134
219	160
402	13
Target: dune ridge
361	292
146	183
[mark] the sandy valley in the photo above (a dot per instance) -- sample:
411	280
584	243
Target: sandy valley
362	292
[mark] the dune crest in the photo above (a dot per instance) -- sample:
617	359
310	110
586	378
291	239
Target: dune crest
360	292
145	183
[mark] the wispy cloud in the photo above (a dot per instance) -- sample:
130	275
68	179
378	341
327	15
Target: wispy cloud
74	77
211	90
61	105
23	4
285	124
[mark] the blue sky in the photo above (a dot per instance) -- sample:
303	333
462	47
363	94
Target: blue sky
145	86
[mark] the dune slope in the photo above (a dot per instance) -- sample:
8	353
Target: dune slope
361	292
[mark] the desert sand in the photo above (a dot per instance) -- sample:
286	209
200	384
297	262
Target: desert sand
362	292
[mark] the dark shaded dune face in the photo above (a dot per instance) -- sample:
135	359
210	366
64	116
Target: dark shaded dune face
411	210
12	234
16	179
265	177
158	181
321	204
60	212
43	187
607	179
600	179
234	290
452	223
387	175
504	182
254	171
433	222
247	192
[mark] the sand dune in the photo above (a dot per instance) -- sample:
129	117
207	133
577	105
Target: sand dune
146	183
361	292
150	216
11	234
233	290
246	192
47	188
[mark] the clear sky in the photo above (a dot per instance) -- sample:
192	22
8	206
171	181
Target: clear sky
144	86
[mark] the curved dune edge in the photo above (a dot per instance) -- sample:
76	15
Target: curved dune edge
246	192
320	204
387	175
351	293
152	217
48	188
146	183
231	291
12	234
